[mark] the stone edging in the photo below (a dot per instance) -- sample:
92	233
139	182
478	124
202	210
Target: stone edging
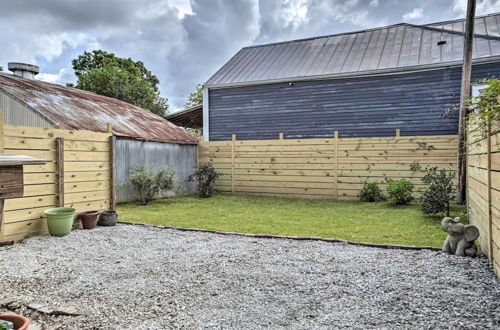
298	238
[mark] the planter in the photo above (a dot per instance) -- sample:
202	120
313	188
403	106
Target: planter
60	220
89	219
20	322
108	218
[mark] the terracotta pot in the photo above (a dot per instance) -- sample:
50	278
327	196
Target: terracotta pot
20	322
89	219
108	218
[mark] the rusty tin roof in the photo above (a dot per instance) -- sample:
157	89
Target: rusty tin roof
81	110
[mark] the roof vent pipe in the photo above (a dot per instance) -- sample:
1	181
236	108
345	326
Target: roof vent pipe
28	71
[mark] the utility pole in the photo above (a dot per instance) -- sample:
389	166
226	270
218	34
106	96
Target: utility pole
464	95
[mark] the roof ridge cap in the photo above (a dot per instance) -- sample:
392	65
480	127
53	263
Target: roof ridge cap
463	19
325	36
431	28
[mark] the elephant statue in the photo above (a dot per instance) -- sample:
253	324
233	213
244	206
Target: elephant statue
460	240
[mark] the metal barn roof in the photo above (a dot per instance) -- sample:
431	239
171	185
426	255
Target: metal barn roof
81	110
488	25
391	48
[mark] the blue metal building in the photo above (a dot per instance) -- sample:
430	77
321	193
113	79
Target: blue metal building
364	83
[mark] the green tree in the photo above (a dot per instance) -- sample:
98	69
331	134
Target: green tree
195	98
121	78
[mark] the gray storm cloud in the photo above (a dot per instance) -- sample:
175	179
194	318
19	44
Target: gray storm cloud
184	42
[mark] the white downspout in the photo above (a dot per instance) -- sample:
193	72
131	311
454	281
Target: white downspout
206	128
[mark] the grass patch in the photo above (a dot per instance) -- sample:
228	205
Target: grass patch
351	220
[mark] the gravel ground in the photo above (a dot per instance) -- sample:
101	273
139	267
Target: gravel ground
132	277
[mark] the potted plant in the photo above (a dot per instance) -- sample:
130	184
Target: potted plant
89	219
60	220
108	218
19	322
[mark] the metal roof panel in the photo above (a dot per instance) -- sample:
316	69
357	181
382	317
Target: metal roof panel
392	47
81	110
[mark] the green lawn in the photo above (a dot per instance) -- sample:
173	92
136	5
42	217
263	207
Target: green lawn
351	220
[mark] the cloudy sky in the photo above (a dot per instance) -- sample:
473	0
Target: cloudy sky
185	41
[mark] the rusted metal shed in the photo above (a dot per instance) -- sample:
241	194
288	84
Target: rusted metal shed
142	136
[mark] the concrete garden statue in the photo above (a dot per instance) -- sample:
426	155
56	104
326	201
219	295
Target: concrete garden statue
460	240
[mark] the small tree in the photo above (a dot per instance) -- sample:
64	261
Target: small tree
371	192
195	98
148	184
485	108
399	192
205	175
440	190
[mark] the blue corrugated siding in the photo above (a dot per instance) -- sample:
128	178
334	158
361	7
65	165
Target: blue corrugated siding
366	106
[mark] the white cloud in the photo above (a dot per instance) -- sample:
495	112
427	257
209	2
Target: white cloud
482	7
294	12
414	15
51	78
184	42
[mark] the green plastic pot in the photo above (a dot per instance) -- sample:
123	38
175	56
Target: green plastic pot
60	220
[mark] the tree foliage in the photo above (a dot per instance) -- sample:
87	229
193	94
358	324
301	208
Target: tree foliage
485	108
121	78
195	98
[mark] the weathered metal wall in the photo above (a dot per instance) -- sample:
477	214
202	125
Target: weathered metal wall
129	153
372	106
18	113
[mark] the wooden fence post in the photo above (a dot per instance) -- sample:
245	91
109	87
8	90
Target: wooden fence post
336	162
398	132
490	211
233	143
112	167
1	199
60	171
281	136
1	131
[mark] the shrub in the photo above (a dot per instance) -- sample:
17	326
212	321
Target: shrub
148	184
205	175
440	190
399	192
370	192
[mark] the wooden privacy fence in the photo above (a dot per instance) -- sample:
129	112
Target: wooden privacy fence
78	173
483	191
323	168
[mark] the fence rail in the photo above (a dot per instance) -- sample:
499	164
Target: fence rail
483	190
78	174
323	168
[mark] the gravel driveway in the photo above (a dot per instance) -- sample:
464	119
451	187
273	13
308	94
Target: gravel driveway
132	277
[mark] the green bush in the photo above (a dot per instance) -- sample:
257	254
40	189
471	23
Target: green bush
440	190
148	184
205	175
371	192
399	192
